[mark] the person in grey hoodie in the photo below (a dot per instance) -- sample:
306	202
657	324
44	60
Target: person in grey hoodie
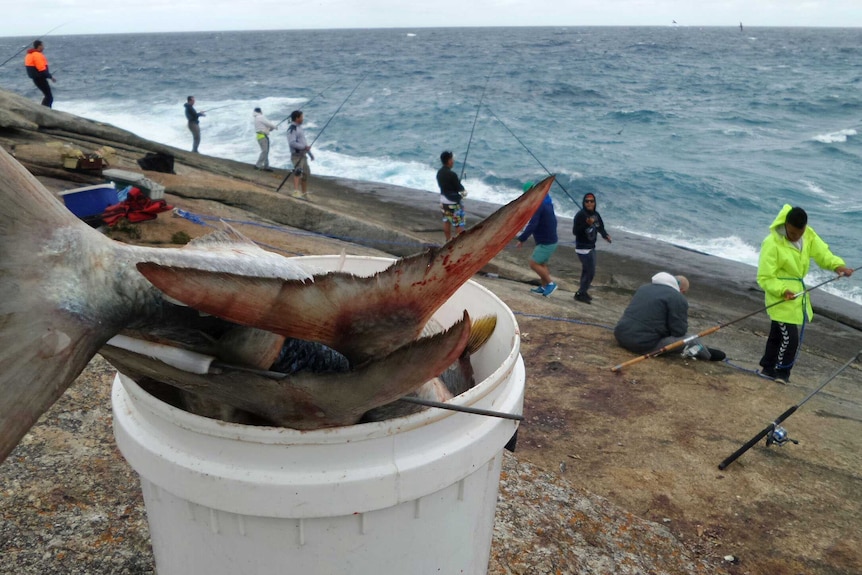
658	316
587	226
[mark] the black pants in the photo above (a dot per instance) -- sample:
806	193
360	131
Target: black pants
781	347
42	84
588	271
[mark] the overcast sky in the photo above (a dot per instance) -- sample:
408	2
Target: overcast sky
35	18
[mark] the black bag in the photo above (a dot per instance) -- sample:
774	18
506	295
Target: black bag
157	162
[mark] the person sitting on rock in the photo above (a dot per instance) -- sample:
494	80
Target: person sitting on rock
658	316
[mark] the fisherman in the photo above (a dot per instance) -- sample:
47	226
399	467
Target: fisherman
785	256
300	152
452	194
262	128
193	116
658	316
37	69
543	227
587	226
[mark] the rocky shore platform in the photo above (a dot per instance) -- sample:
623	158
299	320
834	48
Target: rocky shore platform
614	473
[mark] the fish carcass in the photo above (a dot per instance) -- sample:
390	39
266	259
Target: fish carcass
67	289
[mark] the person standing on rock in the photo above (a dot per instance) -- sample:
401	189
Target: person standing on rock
785	256
543	228
300	152
262	127
588	225
193	117
451	196
37	69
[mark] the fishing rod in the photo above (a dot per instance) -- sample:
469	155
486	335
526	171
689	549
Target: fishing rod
557	180
689	339
290	173
776	434
30	44
309	102
473	129
461	408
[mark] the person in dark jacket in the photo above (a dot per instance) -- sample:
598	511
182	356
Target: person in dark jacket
588	225
658	316
37	69
451	195
543	227
193	117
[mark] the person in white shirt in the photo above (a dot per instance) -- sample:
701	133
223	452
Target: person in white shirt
262	128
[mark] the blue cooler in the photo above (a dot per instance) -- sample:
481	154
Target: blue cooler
90	200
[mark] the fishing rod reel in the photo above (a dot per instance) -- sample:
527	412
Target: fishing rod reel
779	437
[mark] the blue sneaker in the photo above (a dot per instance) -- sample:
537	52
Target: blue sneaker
539	290
549	289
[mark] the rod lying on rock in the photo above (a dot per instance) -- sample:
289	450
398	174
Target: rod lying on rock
67	289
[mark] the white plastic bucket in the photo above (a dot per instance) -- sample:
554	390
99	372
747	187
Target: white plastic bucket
413	495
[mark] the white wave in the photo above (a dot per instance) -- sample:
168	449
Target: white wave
835	137
731	248
817	190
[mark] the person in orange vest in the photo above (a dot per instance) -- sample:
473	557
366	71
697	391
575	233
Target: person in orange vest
37	68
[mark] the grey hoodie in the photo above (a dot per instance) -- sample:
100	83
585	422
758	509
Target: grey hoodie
657	310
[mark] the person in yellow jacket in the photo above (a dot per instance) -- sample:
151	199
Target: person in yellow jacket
37	69
785	256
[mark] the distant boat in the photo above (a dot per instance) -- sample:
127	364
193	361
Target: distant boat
740	26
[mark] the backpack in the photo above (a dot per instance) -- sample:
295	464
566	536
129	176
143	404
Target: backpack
157	162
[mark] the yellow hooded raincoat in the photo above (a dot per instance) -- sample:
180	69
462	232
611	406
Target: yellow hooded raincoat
782	266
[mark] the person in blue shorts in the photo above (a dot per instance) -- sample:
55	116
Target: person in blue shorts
543	228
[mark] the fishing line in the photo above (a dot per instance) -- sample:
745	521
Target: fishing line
31	43
676	344
290	173
773	432
309	102
557	180
218	108
473	129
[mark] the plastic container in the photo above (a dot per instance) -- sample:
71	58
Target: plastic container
90	200
412	495
151	189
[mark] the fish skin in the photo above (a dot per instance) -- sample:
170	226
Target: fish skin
360	317
67	289
312	401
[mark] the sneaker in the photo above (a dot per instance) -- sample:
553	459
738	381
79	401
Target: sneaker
716	354
538	290
549	289
774	376
583	298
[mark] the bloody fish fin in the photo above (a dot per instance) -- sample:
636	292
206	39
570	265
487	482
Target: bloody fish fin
361	317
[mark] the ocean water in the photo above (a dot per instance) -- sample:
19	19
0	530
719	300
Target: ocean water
695	136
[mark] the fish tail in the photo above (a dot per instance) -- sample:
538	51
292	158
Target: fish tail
480	332
360	317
